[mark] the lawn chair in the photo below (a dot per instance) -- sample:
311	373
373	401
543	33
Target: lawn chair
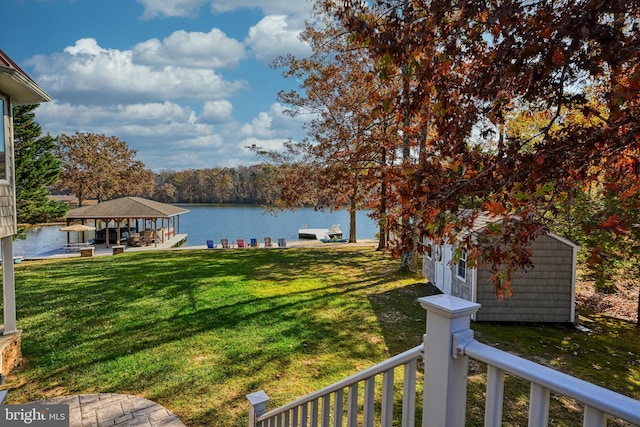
254	243
135	240
210	244
282	243
225	243
241	243
267	242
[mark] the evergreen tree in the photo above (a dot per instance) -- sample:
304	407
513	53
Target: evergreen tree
36	168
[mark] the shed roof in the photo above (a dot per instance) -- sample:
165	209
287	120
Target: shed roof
484	219
18	85
126	207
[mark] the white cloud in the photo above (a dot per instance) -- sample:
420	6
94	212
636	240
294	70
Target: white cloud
272	37
194	49
280	7
87	73
275	144
259	126
269	124
298	9
170	136
281	119
216	112
167	98
176	8
124	121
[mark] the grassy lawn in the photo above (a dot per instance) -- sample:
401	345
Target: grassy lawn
197	330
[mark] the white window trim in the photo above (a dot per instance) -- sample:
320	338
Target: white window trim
463	257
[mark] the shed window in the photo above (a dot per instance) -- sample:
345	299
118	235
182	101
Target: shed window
4	105
462	266
428	250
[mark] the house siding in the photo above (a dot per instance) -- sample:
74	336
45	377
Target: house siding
7	217
8	225
541	294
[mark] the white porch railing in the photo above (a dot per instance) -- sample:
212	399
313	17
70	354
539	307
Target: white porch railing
447	349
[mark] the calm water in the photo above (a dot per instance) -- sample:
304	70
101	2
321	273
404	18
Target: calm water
207	222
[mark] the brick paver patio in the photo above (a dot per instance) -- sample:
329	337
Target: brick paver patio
98	410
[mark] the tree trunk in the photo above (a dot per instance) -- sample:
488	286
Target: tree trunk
408	256
382	222
352	220
409	262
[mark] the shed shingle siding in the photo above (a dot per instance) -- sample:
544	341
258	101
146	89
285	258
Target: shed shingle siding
542	294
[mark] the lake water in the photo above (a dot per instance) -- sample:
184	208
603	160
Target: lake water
213	222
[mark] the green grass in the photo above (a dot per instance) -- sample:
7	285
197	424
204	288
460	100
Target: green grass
198	330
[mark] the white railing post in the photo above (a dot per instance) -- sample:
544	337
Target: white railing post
258	402
445	369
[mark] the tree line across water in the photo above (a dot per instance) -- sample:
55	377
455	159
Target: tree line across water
256	184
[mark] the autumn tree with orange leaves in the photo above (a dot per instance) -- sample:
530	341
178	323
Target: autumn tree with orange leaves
342	161
101	167
470	64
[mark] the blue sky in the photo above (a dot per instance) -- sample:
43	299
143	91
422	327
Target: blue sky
186	83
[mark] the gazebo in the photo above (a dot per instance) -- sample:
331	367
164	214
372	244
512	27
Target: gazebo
126	210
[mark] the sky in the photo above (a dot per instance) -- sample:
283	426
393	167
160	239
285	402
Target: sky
186	83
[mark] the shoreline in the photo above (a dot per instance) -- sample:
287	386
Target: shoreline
171	244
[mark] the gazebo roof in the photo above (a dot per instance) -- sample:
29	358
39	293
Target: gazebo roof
18	85
126	207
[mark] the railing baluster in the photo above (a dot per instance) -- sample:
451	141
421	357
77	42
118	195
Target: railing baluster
369	394
409	394
338	408
326	410
294	417
386	417
287	419
538	406
304	416
594	417
494	398
352	403
314	413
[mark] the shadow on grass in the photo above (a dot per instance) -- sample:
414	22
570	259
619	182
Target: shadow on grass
179	326
400	315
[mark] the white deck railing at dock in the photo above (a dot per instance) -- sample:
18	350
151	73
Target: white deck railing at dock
447	347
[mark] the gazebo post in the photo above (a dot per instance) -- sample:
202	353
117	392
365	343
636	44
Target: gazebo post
106	232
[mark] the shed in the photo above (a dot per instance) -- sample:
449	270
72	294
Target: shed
545	293
16	88
124	210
